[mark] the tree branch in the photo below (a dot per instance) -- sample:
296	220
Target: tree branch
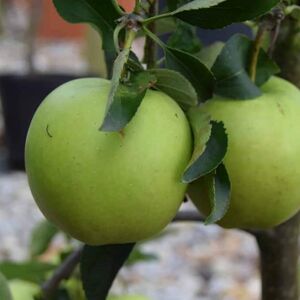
277	16
64	271
150	46
287	50
279	252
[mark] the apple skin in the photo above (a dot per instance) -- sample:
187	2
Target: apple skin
263	158
100	187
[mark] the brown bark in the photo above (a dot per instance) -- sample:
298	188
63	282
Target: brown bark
279	247
287	52
150	46
279	252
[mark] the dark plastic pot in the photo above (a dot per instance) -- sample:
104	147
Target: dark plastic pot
21	95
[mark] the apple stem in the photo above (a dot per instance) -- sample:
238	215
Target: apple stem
256	50
279	254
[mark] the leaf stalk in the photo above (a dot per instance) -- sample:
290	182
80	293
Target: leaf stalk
130	36
155	18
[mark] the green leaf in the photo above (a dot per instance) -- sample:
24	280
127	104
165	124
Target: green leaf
99	267
197	5
100	14
137	255
219	186
32	271
133	63
61	294
193	69
230	70
41	237
189	66
125	99
5	293
173	4
231	66
185	38
219	13
176	86
201	127
266	67
164	26
118	69
210	145
209	54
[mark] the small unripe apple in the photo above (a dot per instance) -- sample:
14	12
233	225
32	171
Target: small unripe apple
107	187
263	158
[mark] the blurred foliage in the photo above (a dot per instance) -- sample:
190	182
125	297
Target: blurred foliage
41	237
23	290
24	279
137	255
5	293
32	271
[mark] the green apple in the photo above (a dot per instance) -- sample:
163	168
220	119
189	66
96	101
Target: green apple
100	187
263	158
128	297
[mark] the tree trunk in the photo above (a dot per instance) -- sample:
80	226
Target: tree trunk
279	247
279	252
287	52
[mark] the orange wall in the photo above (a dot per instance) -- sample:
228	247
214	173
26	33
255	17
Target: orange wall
52	26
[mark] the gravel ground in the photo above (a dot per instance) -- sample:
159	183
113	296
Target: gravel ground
18	215
195	262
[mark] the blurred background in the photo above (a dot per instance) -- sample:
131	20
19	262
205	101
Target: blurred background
38	52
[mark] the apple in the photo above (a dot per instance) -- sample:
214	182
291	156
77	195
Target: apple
263	158
107	187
